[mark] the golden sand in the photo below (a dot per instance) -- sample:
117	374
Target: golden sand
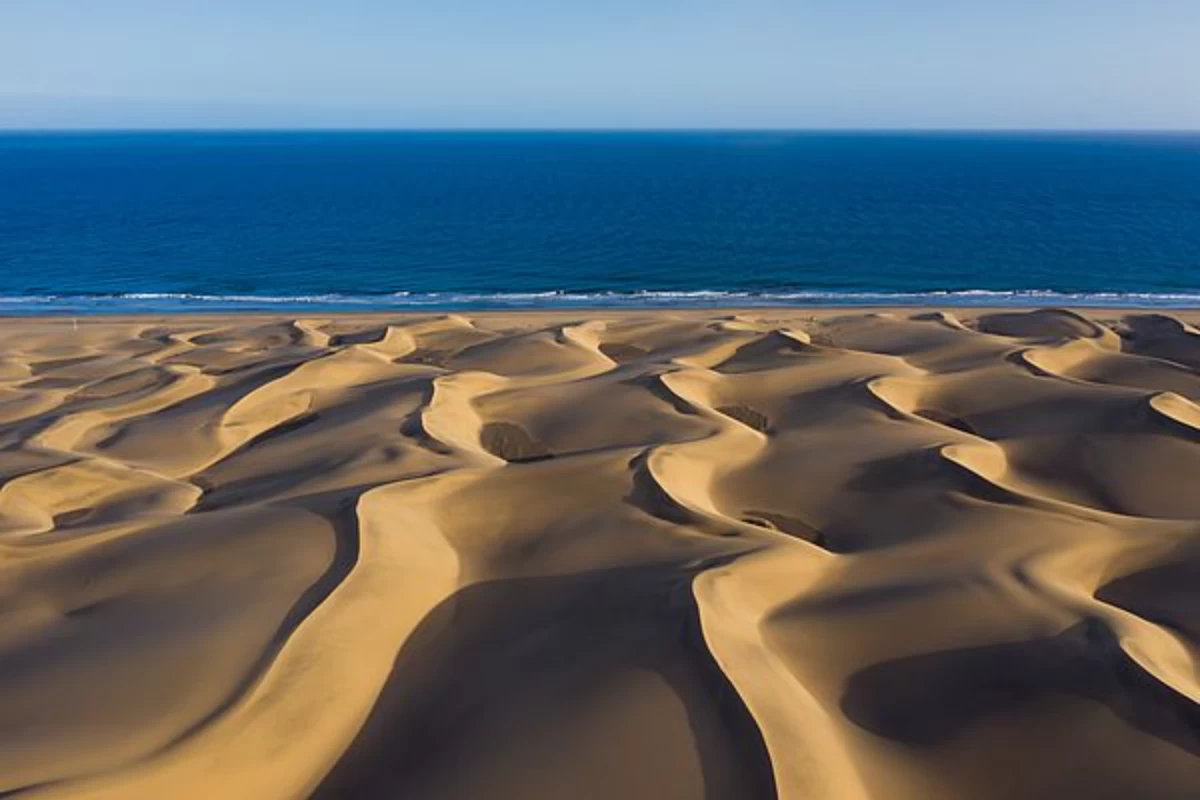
896	554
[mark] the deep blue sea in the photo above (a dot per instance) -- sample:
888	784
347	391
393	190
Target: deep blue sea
323	221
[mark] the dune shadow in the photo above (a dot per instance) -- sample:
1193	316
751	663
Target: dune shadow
928	699
1163	337
504	673
1165	594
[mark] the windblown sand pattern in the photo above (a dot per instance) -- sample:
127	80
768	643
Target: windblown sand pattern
643	555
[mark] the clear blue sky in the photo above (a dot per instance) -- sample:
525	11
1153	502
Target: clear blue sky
601	63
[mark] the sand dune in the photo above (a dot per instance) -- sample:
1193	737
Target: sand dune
894	554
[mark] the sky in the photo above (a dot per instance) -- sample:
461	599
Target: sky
1000	64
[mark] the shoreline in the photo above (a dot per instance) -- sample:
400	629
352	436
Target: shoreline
1191	313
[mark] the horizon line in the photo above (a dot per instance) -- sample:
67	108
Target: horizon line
586	129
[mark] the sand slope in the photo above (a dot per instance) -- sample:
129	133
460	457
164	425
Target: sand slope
643	555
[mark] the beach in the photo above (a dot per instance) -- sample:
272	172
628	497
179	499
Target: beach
891	553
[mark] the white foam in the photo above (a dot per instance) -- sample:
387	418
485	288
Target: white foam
700	298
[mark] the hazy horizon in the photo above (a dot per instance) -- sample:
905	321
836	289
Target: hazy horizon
660	65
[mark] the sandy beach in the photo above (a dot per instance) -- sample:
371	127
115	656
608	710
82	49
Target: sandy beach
896	554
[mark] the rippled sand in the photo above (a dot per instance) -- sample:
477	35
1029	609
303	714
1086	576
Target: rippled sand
604	555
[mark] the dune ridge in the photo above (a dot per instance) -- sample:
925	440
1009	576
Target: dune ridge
768	553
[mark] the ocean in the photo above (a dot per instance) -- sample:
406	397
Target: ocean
323	221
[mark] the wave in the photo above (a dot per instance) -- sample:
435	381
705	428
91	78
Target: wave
133	302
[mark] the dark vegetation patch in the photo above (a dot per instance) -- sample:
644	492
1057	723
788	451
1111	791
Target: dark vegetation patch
748	416
622	352
512	443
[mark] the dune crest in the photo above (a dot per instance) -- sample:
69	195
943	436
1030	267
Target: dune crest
793	554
